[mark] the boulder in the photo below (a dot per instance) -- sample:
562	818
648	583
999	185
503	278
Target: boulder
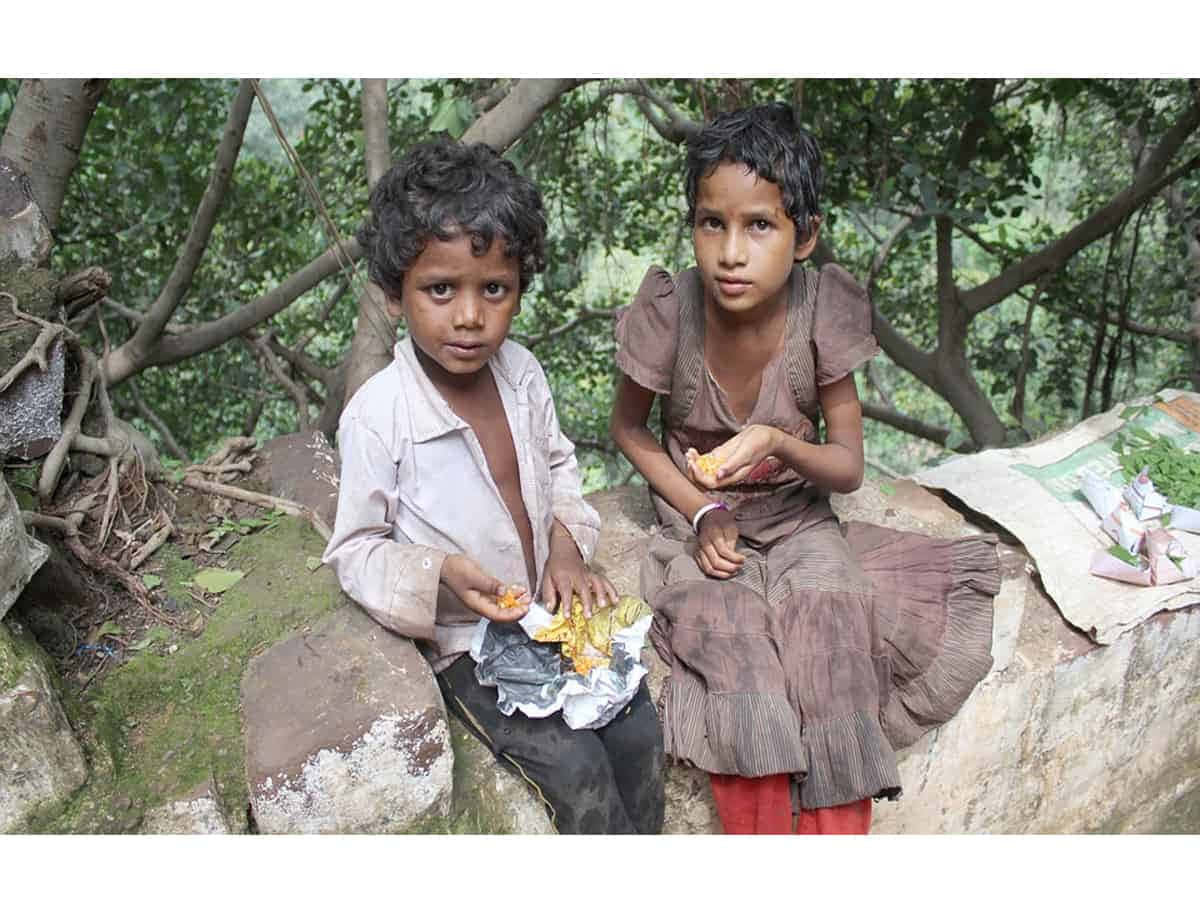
345	732
301	467
1062	736
198	813
41	764
21	555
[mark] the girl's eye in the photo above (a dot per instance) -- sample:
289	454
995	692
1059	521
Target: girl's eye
711	223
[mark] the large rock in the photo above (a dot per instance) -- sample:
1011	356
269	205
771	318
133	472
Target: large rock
1062	735
199	813
41	763
20	554
345	732
301	467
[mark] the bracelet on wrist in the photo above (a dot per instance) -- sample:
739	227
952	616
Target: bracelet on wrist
703	511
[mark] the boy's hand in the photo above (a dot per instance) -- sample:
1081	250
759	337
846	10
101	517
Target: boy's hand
566	575
479	591
718	535
736	458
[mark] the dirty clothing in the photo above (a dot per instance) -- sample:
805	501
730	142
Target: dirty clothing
834	645
608	780
415	487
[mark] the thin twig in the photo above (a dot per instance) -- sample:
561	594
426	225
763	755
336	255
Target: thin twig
266	500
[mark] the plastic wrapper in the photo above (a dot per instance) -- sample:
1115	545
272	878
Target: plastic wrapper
533	677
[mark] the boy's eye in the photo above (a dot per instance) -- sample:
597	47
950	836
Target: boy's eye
440	290
760	225
495	289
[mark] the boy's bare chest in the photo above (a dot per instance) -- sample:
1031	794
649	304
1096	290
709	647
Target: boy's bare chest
484	412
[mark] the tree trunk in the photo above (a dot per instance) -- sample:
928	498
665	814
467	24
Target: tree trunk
1188	222
45	134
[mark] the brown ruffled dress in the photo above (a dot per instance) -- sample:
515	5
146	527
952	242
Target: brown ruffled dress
835	645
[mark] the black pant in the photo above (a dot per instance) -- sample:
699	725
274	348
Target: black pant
593	781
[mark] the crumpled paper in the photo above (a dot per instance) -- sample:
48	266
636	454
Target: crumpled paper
533	677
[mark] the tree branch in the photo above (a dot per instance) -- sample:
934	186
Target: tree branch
587	314
500	127
375	128
168	439
1147	181
180	279
933	433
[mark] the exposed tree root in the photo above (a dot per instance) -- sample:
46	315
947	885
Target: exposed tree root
264	500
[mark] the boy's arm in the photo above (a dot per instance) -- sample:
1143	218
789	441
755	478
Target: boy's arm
394	581
575	514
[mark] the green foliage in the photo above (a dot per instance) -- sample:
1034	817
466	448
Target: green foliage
1174	470
1043	156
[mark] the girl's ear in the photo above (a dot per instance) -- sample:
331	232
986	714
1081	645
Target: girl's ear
808	242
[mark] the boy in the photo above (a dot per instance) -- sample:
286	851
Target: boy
456	480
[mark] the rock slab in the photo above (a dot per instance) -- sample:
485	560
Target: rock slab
346	732
20	554
41	763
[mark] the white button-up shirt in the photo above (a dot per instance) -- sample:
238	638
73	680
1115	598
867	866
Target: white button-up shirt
415	486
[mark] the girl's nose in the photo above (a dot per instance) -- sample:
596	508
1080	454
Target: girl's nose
733	248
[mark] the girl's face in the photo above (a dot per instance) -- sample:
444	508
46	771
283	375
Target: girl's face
458	306
745	242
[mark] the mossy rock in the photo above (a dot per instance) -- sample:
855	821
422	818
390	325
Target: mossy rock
164	723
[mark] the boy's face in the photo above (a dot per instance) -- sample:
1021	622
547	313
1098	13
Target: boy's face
459	306
745	242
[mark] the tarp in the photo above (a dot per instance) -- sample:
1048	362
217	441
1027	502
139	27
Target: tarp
1034	492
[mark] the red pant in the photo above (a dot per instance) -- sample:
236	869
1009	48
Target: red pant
764	806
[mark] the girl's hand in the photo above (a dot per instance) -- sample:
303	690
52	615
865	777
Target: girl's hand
736	458
567	575
715	554
479	591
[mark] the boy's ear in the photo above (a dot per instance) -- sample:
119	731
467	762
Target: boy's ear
808	241
395	309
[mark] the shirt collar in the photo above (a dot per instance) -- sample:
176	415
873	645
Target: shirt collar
431	416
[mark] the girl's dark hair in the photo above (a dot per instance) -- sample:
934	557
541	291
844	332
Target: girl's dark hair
442	187
768	141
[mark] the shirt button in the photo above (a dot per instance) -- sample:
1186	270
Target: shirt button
426	563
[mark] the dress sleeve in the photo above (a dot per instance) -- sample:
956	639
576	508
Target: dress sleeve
841	325
647	331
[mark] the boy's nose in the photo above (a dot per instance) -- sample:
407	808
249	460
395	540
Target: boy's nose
468	312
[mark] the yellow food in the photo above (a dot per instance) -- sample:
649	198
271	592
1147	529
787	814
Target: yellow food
587	643
708	464
509	598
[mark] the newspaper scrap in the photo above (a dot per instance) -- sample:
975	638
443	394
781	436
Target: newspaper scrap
1039	492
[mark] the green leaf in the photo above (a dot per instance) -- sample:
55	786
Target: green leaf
887	490
312	563
1124	555
217	581
109	627
151	581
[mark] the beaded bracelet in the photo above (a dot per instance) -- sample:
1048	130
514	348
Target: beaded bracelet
703	511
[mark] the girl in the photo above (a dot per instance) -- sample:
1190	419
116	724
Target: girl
802	653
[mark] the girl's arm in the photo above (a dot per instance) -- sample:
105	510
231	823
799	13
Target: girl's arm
718	531
836	465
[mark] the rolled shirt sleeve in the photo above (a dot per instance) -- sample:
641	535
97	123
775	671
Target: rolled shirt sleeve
394	580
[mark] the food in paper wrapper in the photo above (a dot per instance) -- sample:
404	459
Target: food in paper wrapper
587	642
1125	528
1143	499
1184	518
1168	560
1120	565
537	679
1101	494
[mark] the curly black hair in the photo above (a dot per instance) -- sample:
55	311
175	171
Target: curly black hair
443	187
769	142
